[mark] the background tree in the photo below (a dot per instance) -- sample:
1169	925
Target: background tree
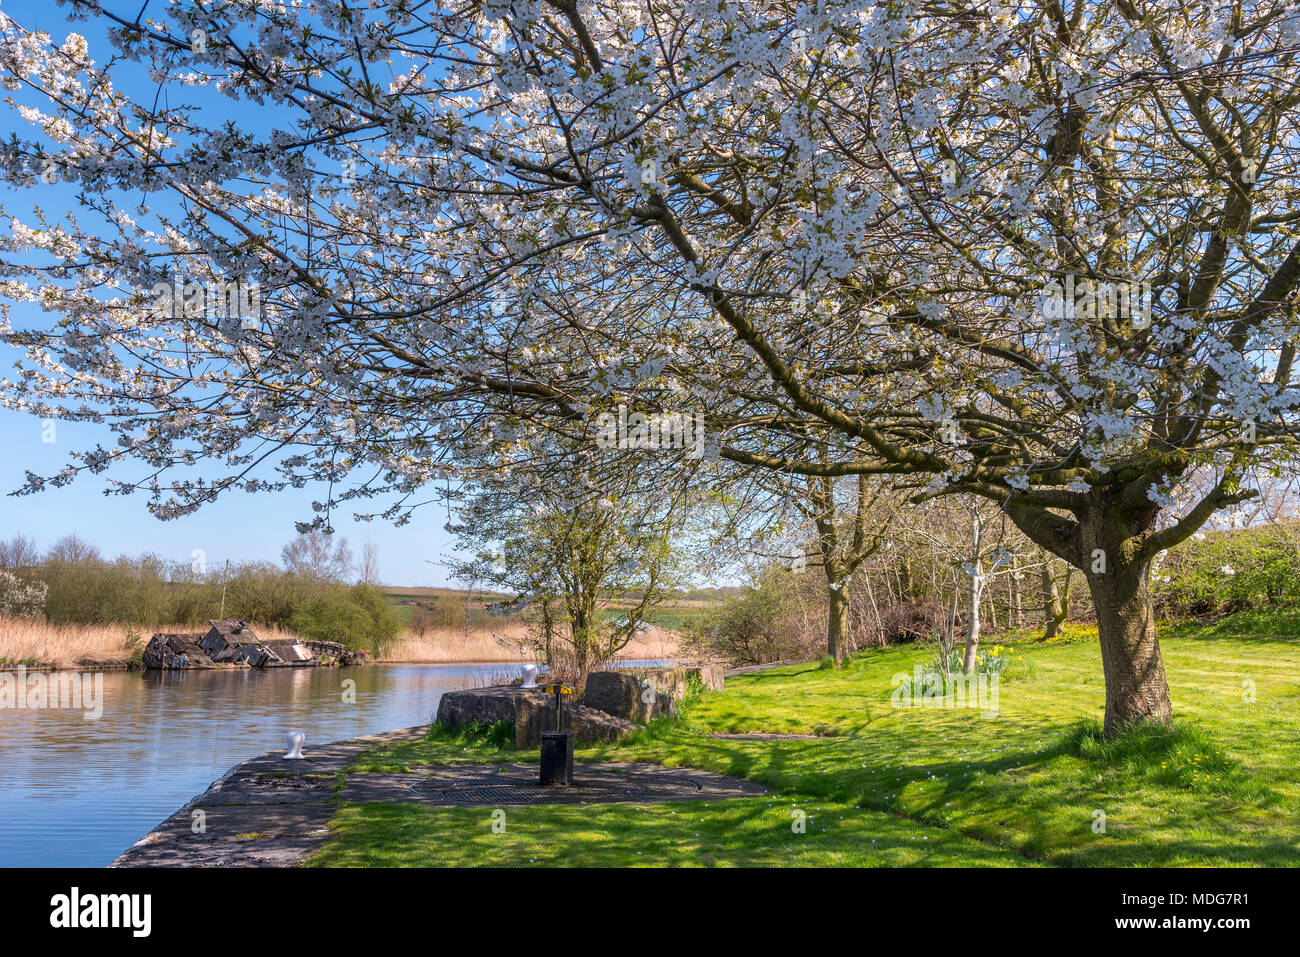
837	526
1056	583
19	553
369	563
315	554
20	597
590	555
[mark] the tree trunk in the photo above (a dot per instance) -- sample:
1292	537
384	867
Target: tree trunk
972	635
875	611
1056	606
581	639
976	577
1013	594
548	632
837	622
1049	602
1136	689
1109	544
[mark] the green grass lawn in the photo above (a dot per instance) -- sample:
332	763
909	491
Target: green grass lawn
888	786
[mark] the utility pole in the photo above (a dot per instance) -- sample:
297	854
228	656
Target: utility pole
221	616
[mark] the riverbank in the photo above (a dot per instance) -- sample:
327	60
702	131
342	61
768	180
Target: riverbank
264	812
274	812
854	778
80	786
39	646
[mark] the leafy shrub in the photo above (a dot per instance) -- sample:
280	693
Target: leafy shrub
84	588
1072	631
1226	571
760	624
357	617
498	734
135	646
988	661
993	662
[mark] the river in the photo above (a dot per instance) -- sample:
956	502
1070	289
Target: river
78	792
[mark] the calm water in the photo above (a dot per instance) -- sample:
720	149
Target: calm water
75	792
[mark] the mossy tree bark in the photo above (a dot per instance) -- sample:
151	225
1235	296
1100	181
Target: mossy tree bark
841	554
1056	599
1113	540
1136	687
837	624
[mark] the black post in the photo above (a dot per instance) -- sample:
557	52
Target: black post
557	748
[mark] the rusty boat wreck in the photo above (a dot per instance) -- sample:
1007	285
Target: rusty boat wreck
230	643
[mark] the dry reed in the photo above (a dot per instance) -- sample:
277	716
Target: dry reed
453	646
68	646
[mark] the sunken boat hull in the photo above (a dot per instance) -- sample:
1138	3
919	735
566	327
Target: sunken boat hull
230	643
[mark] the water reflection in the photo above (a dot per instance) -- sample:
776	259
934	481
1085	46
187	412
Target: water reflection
75	792
78	792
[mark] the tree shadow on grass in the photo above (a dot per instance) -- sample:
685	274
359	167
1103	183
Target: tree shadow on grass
782	673
733	832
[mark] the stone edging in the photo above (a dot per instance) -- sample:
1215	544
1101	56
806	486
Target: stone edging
264	812
270	812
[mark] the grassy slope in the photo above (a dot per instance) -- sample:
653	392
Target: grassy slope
889	786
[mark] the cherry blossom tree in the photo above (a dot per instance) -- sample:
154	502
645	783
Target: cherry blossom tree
1042	254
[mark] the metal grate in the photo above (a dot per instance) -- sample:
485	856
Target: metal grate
515	792
476	785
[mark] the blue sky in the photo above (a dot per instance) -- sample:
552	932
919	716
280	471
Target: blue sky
240	527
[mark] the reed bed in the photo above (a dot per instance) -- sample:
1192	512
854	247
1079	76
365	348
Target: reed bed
454	646
68	646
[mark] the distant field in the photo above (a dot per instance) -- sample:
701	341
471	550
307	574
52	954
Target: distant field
452	625
399	592
450	609
442	607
